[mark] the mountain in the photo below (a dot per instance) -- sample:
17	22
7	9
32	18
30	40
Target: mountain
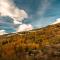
37	44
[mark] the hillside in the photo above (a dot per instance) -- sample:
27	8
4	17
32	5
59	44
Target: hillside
37	44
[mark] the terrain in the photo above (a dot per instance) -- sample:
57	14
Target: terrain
37	44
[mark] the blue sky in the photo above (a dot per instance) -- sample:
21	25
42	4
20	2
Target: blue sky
41	12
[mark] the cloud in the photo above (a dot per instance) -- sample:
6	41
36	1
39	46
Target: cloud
2	32
8	8
24	27
17	22
57	21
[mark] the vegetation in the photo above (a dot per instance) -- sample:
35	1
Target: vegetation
38	44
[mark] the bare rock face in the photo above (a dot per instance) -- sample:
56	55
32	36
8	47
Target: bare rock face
38	44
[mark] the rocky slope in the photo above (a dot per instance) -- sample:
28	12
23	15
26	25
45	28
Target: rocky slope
37	44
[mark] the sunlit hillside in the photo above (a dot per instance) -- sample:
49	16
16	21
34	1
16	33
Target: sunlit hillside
37	44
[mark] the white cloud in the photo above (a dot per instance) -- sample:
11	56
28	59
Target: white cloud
17	22
2	32
57	21
24	27
8	8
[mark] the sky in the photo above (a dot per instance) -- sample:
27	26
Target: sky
41	12
37	13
